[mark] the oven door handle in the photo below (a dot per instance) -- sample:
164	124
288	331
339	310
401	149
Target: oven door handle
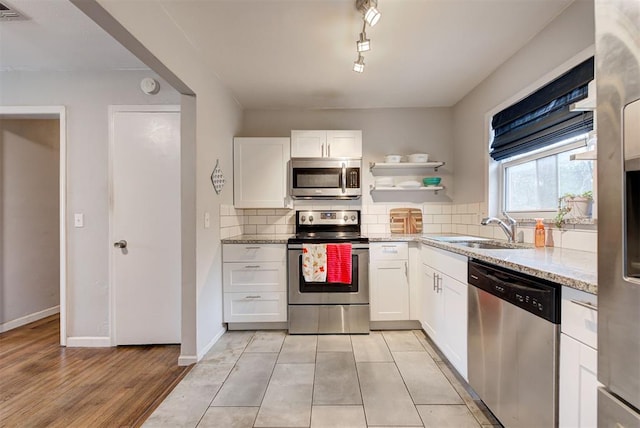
353	246
344	177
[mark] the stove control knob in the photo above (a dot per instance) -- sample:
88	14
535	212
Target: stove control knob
310	218
303	218
353	218
346	218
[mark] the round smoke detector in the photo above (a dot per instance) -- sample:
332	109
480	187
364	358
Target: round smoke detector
149	86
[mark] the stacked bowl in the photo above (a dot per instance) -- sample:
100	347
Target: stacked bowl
431	181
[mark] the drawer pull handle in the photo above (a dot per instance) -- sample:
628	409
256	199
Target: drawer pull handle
252	248
474	277
585	304
253	297
252	266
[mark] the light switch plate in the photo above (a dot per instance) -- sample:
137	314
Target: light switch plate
78	220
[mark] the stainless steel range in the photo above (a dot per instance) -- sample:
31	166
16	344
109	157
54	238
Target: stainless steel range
324	306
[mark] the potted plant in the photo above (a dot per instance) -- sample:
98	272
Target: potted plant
572	206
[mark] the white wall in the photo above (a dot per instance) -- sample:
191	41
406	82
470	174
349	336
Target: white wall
86	96
384	131
29	218
566	36
217	121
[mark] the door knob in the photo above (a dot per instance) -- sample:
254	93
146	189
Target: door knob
120	244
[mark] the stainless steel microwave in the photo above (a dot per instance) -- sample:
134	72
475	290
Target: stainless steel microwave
325	178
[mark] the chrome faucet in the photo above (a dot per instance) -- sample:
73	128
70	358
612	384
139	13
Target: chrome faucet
509	228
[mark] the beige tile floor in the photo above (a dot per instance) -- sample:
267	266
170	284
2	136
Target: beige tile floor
271	379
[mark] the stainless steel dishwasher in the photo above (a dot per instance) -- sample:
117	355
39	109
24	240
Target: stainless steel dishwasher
513	345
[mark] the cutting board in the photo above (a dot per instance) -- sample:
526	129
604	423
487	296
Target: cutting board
405	220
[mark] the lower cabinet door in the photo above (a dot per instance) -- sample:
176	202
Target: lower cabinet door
578	384
389	286
431	303
454	323
255	307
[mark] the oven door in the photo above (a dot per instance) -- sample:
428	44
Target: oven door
324	293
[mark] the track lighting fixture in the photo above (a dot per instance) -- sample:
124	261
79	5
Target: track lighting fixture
369	10
358	65
370	15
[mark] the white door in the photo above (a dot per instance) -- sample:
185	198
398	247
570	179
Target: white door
389	291
308	144
344	144
432	303
145	224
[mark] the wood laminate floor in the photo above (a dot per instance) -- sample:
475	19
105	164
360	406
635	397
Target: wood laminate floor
45	385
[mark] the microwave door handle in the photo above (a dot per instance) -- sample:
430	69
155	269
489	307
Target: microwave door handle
344	178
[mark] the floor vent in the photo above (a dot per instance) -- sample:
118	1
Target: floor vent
9	14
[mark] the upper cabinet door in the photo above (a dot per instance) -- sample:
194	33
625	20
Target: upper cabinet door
260	172
308	144
327	144
344	144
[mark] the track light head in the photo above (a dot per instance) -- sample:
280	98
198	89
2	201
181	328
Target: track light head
363	44
369	9
358	65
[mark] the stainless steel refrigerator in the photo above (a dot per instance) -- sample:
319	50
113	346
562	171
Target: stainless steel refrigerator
618	128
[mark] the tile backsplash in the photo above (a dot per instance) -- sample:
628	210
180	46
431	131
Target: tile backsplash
437	218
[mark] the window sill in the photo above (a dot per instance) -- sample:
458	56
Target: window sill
586	223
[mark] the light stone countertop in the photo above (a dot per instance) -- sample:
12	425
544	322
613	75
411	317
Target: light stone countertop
257	239
575	269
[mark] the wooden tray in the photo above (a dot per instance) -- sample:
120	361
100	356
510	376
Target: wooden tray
405	220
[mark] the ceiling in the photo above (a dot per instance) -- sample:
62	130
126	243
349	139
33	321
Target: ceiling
278	54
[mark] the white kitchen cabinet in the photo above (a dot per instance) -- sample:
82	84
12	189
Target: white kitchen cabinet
389	281
431	302
260	172
319	143
254	281
578	360
444	295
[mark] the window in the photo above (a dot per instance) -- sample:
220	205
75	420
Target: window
533	182
533	141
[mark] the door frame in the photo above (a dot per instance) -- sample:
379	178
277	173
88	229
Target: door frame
47	112
113	109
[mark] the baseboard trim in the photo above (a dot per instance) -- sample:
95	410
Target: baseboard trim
395	325
213	341
88	342
257	326
187	360
27	319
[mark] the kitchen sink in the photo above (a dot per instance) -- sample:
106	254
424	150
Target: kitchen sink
491	245
458	238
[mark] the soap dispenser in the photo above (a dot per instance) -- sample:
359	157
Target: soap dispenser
539	237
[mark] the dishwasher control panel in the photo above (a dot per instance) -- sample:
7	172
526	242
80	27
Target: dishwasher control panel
535	295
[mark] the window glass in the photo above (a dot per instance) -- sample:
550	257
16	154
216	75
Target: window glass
534	183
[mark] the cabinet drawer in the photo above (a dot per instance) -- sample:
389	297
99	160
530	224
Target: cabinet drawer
254	252
254	276
255	307
389	251
580	316
452	264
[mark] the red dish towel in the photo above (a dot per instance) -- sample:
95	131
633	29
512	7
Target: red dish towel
339	263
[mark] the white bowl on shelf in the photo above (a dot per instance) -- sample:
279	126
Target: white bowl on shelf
393	158
384	181
419	158
410	184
